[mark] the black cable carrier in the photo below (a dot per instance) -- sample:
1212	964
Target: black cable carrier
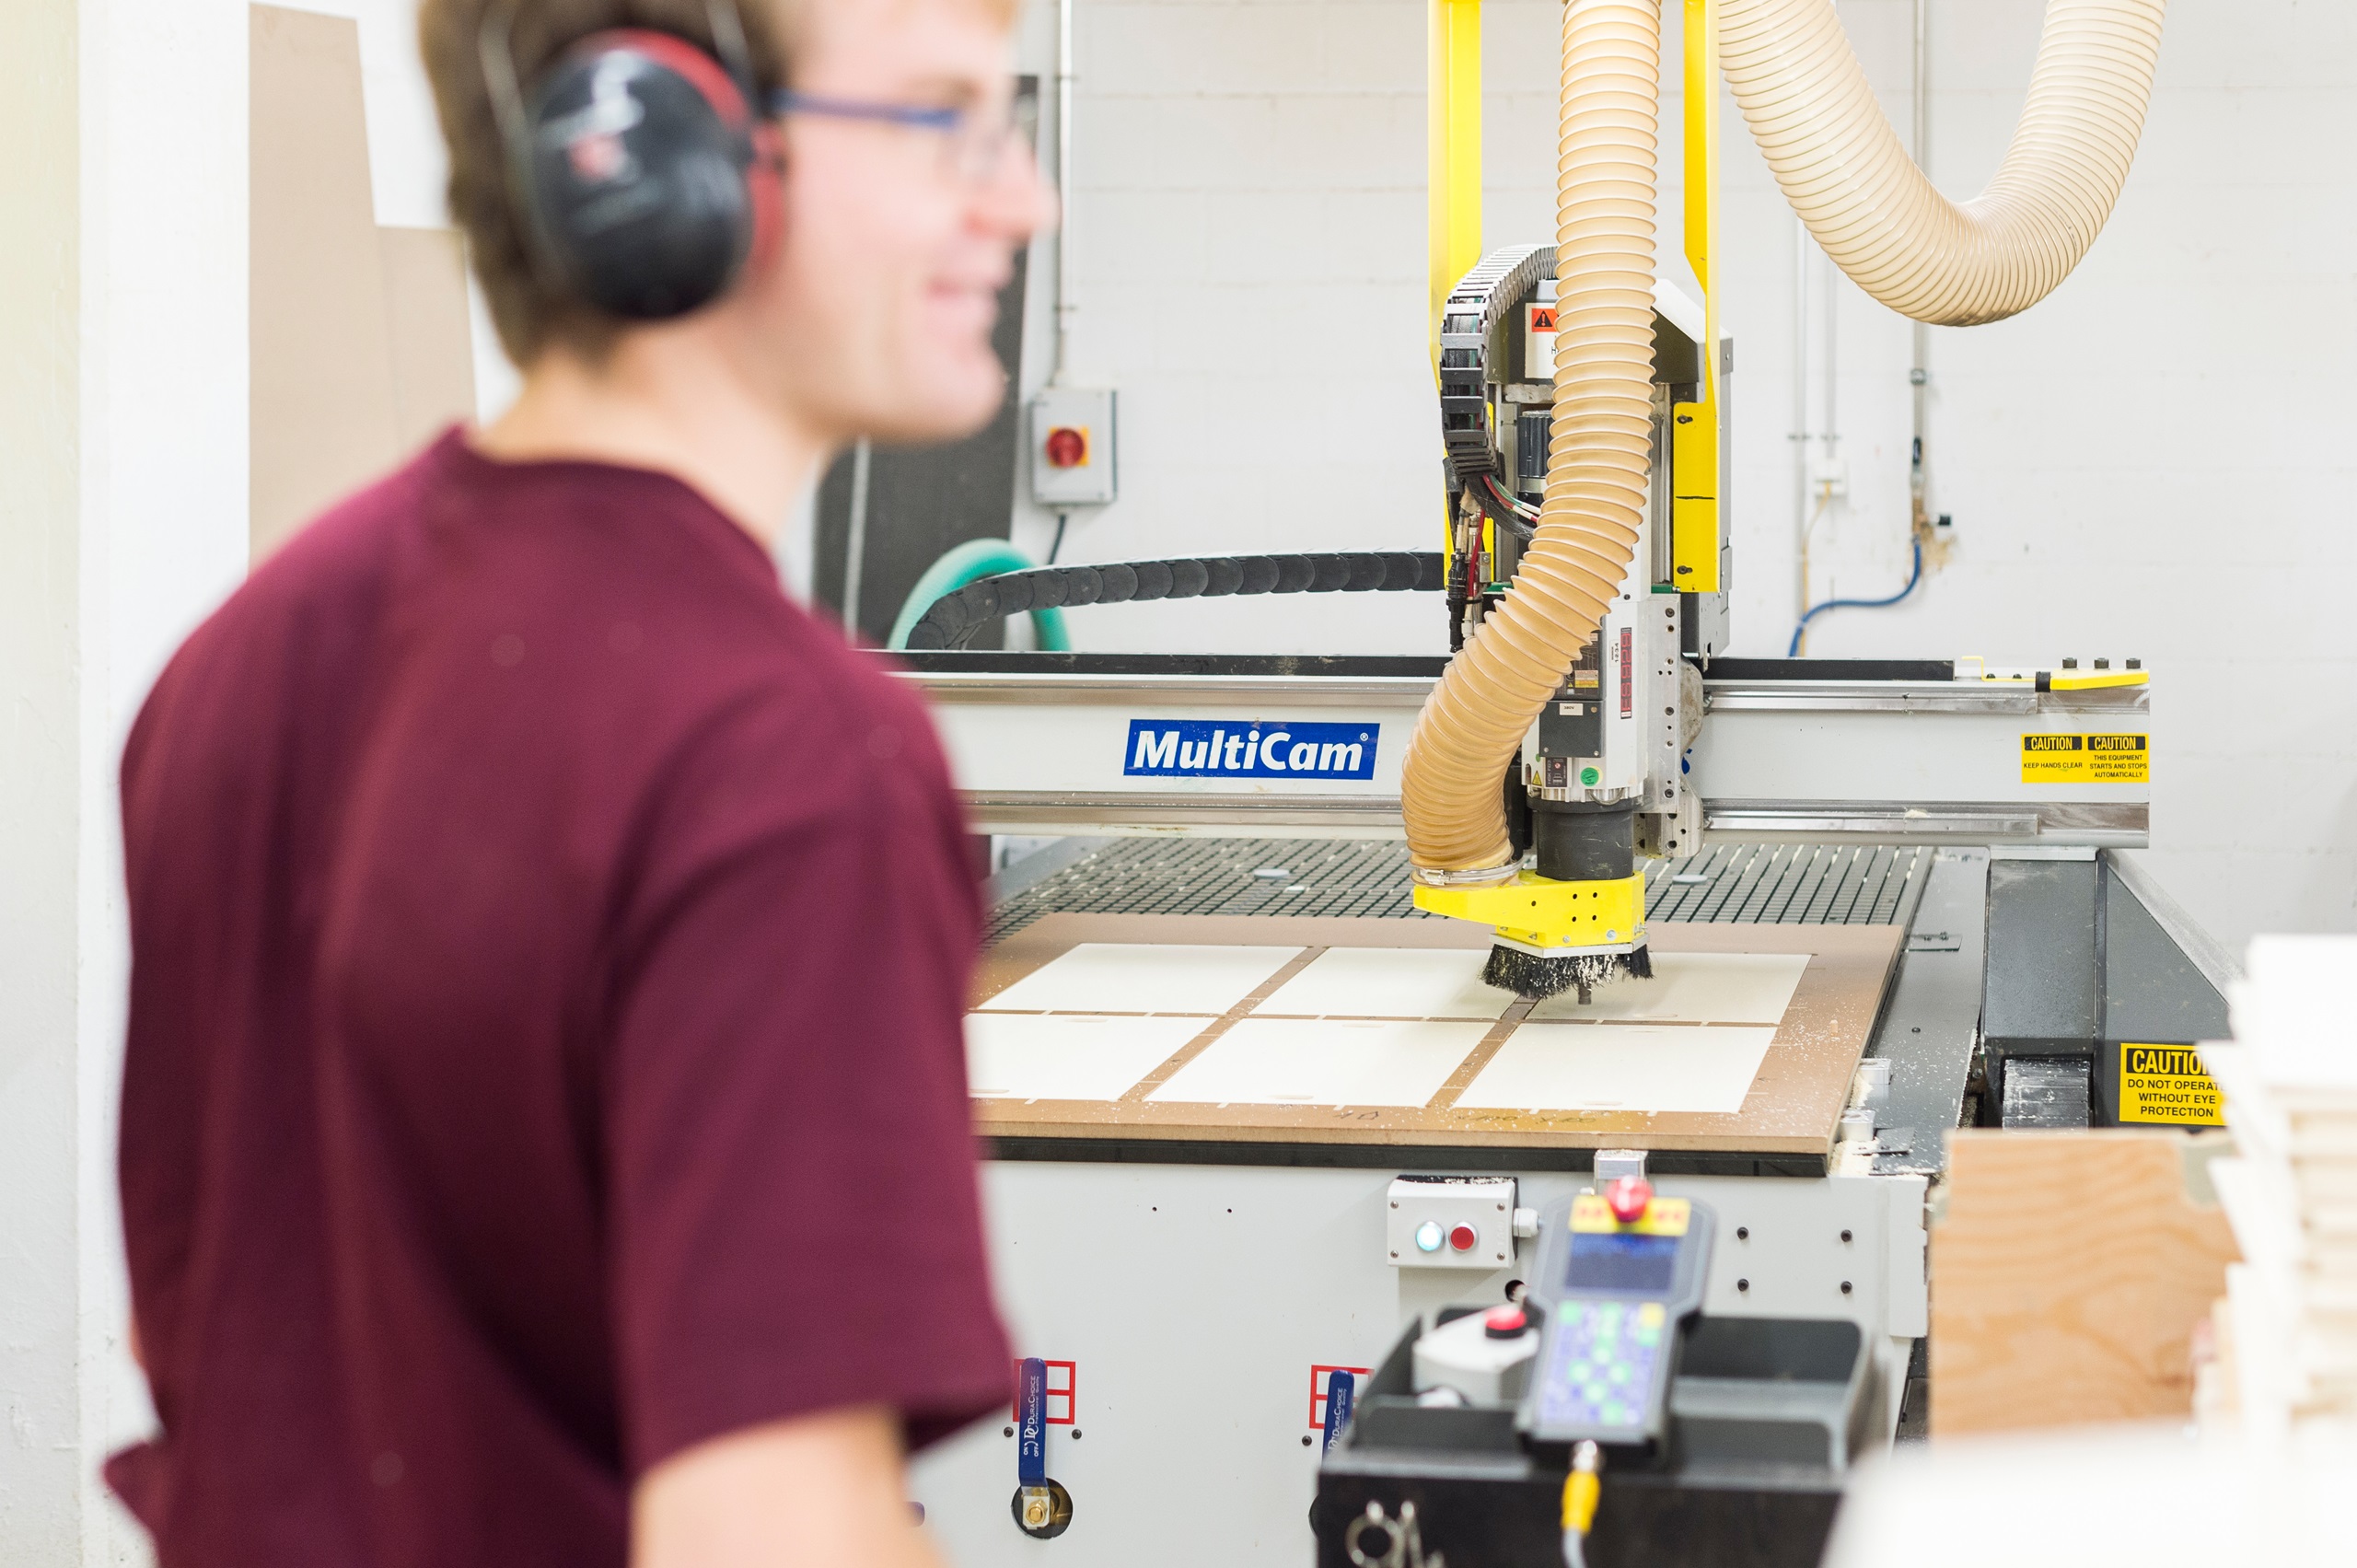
1470	332
954	618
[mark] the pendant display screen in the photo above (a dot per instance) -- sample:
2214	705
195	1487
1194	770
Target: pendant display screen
1624	1263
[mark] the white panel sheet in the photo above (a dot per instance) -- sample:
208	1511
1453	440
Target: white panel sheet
1122	977
1067	1056
1324	1062
1390	983
1693	988
1643	1067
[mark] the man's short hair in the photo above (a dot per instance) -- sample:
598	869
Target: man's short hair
529	309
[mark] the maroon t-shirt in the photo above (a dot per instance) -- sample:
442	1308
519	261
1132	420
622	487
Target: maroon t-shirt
549	946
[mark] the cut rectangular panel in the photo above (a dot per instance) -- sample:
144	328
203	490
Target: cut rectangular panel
1120	977
1798	1086
1067	1056
1656	1069
1324	1062
1390	983
1692	988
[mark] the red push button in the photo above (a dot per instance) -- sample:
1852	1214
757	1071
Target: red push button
1506	1323
1630	1196
1067	447
1465	1238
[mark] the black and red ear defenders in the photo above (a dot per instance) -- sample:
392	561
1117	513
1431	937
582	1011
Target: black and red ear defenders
643	170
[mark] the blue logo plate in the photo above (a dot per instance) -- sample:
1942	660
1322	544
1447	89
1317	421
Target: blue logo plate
1195	748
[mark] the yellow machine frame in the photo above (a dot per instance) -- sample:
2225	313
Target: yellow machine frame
1536	911
1453	171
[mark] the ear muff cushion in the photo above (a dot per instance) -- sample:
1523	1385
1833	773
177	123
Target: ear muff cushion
637	175
768	190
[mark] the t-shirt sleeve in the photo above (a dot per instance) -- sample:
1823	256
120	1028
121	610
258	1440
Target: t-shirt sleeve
794	1221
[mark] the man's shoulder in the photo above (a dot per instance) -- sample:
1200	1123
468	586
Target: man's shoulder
823	716
313	600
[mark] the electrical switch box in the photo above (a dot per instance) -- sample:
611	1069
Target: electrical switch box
1450	1222
1073	447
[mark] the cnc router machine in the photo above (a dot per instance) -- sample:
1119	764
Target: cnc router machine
1256	1127
1251	1112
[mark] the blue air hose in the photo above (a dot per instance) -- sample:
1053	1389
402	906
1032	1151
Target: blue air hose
1913	578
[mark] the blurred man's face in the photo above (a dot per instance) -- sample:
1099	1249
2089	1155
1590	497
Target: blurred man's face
875	316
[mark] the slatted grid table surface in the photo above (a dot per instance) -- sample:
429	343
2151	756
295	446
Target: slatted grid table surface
1762	884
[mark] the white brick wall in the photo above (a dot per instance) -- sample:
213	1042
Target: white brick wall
1250	230
2156	461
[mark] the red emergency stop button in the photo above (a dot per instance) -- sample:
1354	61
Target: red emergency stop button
1630	1196
1507	1322
1067	447
1464	1239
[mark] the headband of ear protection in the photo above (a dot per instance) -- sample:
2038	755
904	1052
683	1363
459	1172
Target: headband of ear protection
637	159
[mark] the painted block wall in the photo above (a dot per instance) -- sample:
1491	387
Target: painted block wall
122	523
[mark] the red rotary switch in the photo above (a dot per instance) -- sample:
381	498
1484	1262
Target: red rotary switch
1629	1196
1464	1239
1067	447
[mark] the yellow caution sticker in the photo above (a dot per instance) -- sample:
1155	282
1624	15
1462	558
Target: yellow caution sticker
2166	1084
1591	1215
2087	759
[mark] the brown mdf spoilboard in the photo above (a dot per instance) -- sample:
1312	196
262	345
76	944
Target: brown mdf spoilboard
1792	1108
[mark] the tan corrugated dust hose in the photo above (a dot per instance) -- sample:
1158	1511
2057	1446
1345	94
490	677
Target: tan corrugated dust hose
1954	264
1597	472
1842	169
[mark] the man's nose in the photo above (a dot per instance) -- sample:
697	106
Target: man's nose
1018	203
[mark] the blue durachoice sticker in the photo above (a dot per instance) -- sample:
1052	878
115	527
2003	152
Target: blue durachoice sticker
1199	748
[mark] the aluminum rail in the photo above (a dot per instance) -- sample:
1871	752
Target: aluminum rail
1862	762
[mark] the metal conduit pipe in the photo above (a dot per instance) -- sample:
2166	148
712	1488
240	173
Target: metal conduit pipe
1597	467
1841	165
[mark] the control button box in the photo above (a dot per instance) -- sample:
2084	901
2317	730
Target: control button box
1450	1222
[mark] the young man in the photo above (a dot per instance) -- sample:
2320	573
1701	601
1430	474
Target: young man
544	1126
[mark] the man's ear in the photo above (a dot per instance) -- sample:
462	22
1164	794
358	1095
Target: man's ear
766	180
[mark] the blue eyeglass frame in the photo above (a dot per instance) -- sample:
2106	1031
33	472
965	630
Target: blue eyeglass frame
786	101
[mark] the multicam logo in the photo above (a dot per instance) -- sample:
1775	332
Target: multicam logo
1203	749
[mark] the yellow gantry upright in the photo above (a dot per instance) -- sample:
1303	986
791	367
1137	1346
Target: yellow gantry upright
1453	171
1695	522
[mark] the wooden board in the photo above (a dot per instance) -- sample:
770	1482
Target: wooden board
2068	1273
1792	1108
358	339
431	337
323	418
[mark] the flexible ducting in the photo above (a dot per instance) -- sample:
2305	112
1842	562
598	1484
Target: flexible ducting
1845	173
1841	166
1596	493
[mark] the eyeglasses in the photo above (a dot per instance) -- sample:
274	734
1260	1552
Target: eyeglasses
974	143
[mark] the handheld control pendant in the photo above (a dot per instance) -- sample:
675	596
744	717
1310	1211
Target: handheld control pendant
1620	1273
